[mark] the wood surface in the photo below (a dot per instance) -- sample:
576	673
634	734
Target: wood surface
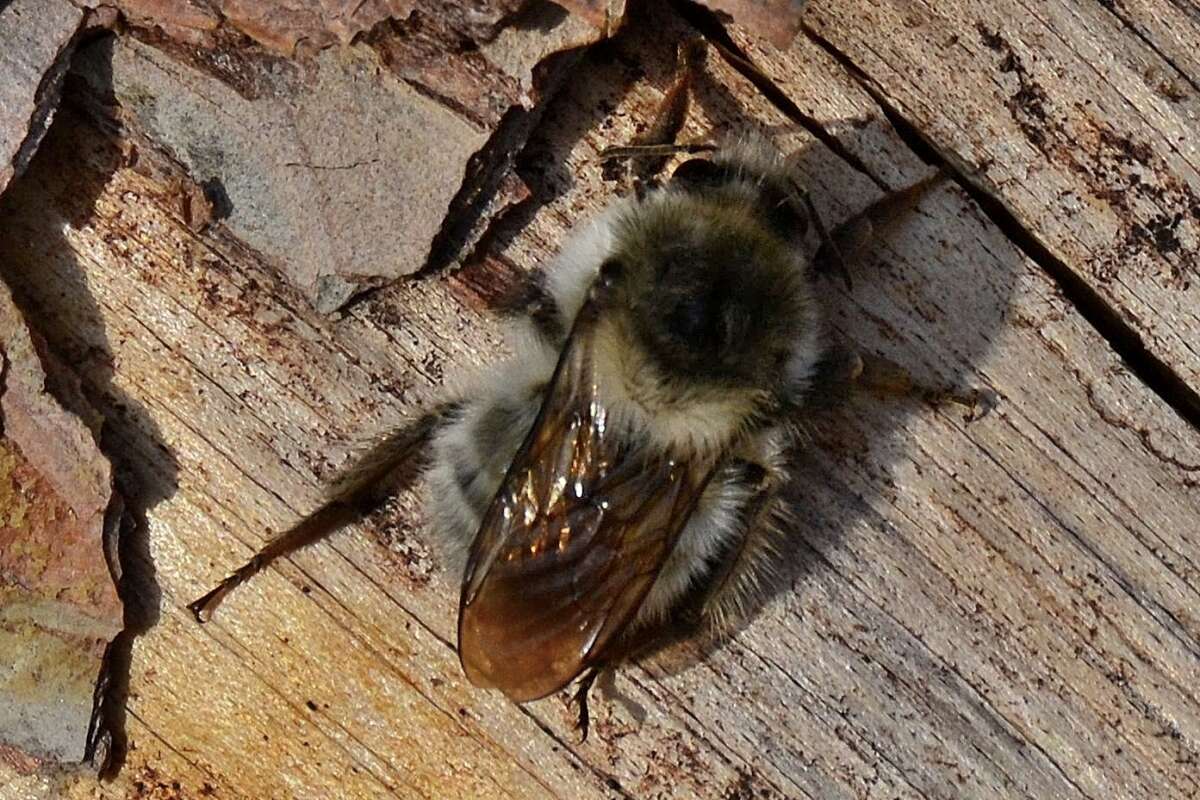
1005	608
38	41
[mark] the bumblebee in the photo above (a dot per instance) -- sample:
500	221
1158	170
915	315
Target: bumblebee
628	461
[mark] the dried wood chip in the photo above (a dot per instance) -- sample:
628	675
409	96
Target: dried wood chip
606	15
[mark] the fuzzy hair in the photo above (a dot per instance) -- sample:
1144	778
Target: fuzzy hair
470	456
470	452
679	417
719	527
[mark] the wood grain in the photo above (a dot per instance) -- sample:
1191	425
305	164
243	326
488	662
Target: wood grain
998	609
1074	120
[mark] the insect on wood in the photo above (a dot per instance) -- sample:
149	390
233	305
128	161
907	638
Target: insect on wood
620	477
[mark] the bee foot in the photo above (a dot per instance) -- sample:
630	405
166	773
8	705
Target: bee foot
580	698
978	404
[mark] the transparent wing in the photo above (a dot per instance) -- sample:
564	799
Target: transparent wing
572	542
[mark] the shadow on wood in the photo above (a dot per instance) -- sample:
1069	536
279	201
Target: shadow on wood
50	284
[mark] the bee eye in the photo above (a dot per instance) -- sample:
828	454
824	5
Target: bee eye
699	173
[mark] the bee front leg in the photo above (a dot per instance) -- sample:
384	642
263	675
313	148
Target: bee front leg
849	241
883	377
652	147
532	299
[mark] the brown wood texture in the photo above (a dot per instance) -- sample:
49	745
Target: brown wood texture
1005	608
1079	118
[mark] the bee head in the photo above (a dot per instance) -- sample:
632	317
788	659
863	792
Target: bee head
714	300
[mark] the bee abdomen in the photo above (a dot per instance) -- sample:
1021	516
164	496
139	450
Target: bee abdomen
471	454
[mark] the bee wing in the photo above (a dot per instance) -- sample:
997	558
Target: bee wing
572	542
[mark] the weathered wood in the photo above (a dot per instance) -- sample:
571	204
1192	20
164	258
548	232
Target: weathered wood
1000	609
969	304
1170	31
36	43
1075	121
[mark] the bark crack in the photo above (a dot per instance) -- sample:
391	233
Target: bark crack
336	167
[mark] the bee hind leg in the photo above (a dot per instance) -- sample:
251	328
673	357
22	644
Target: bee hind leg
379	471
583	723
736	587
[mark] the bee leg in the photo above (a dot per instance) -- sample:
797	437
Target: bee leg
658	140
881	376
532	298
313	528
654	150
731	592
849	241
829	255
581	701
630	648
378	473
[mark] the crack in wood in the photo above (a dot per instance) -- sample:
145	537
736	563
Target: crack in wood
1114	8
1125	341
709	25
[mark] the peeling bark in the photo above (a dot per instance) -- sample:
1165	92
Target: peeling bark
36	39
58	601
355	166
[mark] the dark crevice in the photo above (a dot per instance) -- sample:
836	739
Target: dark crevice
485	171
107	742
64	311
466	214
709	25
47	96
1124	340
467	219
